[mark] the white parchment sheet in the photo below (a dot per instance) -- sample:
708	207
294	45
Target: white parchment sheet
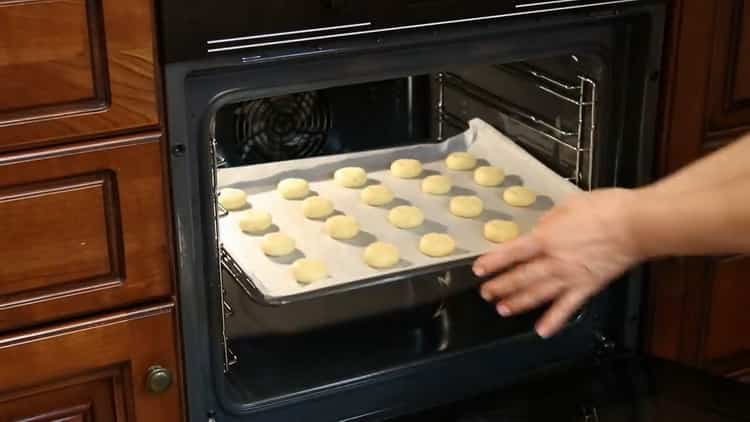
273	277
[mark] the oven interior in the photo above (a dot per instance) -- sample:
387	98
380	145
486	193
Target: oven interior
557	107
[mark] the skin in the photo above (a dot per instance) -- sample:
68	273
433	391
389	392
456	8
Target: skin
581	245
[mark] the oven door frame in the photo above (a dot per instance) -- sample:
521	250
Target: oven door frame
195	90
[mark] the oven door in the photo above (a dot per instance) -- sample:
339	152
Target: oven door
247	361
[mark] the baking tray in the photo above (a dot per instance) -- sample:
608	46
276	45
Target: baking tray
270	281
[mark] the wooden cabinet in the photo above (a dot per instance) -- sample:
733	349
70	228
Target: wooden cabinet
87	230
75	69
94	370
698	307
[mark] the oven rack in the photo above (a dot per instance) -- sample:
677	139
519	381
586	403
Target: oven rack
580	140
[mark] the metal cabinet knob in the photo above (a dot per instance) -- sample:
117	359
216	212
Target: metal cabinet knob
158	379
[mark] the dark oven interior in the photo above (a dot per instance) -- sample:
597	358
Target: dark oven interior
548	105
574	94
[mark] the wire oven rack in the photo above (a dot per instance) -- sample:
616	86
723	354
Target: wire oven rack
581	94
579	140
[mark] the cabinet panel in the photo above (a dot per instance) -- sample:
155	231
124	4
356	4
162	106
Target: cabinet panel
74	69
104	373
729	90
88	230
728	322
47	57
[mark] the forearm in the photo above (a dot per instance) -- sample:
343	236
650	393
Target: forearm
679	219
726	164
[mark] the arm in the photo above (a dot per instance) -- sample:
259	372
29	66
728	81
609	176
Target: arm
581	245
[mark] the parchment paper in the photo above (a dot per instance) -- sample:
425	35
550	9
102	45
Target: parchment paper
273	277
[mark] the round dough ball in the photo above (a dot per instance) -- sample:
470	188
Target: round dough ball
406	217
489	176
519	196
467	206
232	199
293	188
376	195
460	161
342	227
499	231
437	244
437	184
317	207
381	255
350	177
309	270
254	221
406	168
277	244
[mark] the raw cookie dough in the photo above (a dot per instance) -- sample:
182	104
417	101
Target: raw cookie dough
293	188
467	206
381	255
317	207
437	244
232	199
499	231
254	221
406	168
350	177
342	227
437	184
406	217
309	270
489	176
277	244
519	196
460	161
376	195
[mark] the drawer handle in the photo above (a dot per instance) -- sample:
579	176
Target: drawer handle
158	379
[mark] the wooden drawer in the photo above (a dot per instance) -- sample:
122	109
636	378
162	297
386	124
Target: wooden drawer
84	230
72	69
95	370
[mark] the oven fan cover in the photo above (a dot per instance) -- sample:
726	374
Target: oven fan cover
282	128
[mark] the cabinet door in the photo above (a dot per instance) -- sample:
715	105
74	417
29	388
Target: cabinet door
698	306
99	370
84	230
72	69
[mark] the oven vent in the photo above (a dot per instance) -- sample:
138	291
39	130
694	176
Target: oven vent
282	128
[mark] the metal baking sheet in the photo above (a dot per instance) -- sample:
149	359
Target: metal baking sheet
272	277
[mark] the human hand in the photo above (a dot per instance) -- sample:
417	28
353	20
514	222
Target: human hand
575	250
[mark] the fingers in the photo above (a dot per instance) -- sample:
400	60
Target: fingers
505	254
530	298
521	277
560	311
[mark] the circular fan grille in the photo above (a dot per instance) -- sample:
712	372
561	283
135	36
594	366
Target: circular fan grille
282	128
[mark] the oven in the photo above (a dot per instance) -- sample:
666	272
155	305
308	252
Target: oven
574	83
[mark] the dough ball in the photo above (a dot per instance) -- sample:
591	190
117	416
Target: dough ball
342	227
350	177
277	244
406	168
406	217
489	176
436	184
381	255
437	244
293	188
317	207
376	195
254	221
467	206
309	270
500	230
232	199
519	196
460	161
